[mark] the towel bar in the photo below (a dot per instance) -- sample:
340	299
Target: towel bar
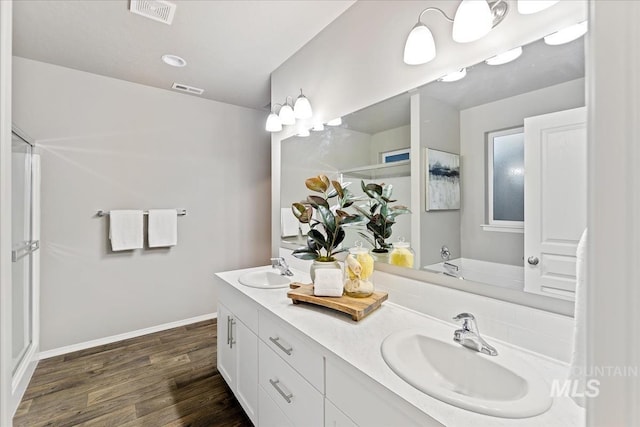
181	212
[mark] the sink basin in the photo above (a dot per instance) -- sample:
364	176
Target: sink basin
502	386
265	279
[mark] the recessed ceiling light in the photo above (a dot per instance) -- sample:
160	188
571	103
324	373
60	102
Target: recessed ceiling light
567	35
454	76
174	60
505	57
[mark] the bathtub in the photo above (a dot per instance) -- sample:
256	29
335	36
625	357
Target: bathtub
504	275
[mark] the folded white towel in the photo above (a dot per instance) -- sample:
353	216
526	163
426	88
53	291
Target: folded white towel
328	283
289	224
163	228
125	230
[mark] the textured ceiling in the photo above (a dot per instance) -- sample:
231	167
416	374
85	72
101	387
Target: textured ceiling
231	47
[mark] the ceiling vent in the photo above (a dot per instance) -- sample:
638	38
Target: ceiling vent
188	89
158	10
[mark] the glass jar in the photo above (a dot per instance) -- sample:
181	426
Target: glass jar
380	255
358	268
316	265
402	255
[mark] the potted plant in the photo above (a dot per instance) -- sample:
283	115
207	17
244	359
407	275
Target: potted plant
380	216
326	222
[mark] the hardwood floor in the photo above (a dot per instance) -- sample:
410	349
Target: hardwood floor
167	378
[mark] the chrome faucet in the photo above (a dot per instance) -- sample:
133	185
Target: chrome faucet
469	336
282	265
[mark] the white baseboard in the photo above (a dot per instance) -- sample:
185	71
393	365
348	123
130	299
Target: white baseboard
120	337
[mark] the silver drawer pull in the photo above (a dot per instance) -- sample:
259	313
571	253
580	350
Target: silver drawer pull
285	396
276	341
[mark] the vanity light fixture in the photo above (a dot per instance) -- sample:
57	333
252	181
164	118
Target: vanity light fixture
472	21
287	117
504	57
288	113
567	35
302	107
174	60
454	76
274	124
335	122
527	7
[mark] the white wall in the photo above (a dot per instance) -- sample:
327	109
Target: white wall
110	144
613	294
440	130
506	248
326	152
389	140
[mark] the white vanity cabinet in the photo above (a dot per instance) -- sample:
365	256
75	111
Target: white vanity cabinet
237	358
352	398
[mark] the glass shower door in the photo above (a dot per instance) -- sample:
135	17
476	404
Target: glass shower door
22	247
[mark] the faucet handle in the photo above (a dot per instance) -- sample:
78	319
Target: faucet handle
468	321
464	316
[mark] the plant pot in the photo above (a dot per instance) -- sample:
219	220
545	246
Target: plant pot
322	264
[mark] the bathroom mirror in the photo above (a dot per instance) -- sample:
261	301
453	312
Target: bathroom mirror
458	117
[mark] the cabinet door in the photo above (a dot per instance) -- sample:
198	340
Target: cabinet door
246	348
226	359
334	417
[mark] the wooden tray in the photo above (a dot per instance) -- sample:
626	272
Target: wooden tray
357	308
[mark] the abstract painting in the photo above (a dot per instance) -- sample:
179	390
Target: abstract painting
443	180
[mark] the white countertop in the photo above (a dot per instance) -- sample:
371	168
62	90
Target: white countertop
358	343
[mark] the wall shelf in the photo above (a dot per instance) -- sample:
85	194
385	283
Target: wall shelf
381	170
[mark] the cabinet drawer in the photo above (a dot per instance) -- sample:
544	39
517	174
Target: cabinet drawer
270	415
240	305
297	350
300	402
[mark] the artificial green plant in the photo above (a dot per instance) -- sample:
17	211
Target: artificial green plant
326	222
379	214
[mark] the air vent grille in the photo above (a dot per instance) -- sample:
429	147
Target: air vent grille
188	89
158	10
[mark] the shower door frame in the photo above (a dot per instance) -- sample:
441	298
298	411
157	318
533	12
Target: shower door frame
24	370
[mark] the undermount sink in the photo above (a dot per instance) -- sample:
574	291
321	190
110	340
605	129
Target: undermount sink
265	279
501	386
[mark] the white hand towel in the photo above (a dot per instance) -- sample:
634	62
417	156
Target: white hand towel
288	223
579	356
163	228
125	230
328	283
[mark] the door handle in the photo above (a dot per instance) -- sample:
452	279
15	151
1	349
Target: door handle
232	340
228	330
532	260
24	250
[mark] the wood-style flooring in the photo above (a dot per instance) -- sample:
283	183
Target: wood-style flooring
167	378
